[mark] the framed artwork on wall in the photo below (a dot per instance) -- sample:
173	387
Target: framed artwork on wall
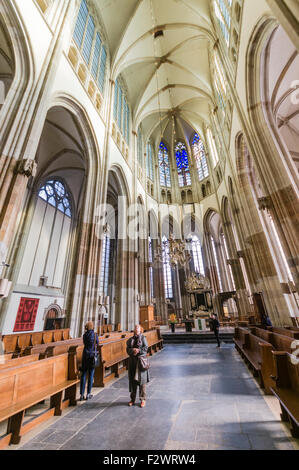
26	314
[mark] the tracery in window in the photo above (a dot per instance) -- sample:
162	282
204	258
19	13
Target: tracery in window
222	11
89	42
164	166
167	269
121	111
199	155
55	193
213	148
182	163
197	255
150	162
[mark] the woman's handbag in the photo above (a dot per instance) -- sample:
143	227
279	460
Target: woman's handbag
95	360
143	363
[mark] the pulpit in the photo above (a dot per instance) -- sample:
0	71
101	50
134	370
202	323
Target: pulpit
146	315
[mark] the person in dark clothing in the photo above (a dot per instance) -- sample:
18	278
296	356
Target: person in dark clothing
215	327
91	342
136	347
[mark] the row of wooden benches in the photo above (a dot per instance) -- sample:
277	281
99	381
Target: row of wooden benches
28	380
19	341
273	358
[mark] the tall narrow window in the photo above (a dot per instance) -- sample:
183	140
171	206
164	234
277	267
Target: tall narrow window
164	166
197	256
104	277
80	24
151	270
90	44
223	16
150	163
102	72
167	270
199	155
121	111
86	52
182	163
227	257
139	147
216	263
213	148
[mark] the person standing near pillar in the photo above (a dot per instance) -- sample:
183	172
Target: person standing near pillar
215	327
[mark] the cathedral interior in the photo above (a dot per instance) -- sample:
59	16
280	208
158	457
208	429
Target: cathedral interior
149	175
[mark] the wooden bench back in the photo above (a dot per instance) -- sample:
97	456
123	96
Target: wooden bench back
22	382
284	332
153	336
263	334
18	361
42	348
241	334
10	343
286	371
19	341
114	351
36	338
282	343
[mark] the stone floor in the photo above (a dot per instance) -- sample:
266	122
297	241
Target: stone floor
199	397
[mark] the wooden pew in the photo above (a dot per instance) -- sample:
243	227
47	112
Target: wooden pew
257	353
19	341
113	359
279	342
286	388
154	340
284	332
27	385
18	361
43	348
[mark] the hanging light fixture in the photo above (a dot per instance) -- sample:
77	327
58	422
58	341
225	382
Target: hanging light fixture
178	254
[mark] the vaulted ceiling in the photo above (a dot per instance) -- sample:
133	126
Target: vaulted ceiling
168	74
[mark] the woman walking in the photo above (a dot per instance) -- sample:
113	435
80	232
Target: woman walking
138	377
91	342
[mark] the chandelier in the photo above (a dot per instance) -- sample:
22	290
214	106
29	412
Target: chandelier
175	250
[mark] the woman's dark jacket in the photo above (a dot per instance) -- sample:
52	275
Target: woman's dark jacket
89	349
133	360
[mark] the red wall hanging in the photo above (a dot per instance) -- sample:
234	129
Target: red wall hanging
26	314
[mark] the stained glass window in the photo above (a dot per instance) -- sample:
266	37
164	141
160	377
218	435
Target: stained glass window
182	163
199	154
164	166
55	193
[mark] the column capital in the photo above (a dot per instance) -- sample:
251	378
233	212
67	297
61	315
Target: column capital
265	203
27	167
